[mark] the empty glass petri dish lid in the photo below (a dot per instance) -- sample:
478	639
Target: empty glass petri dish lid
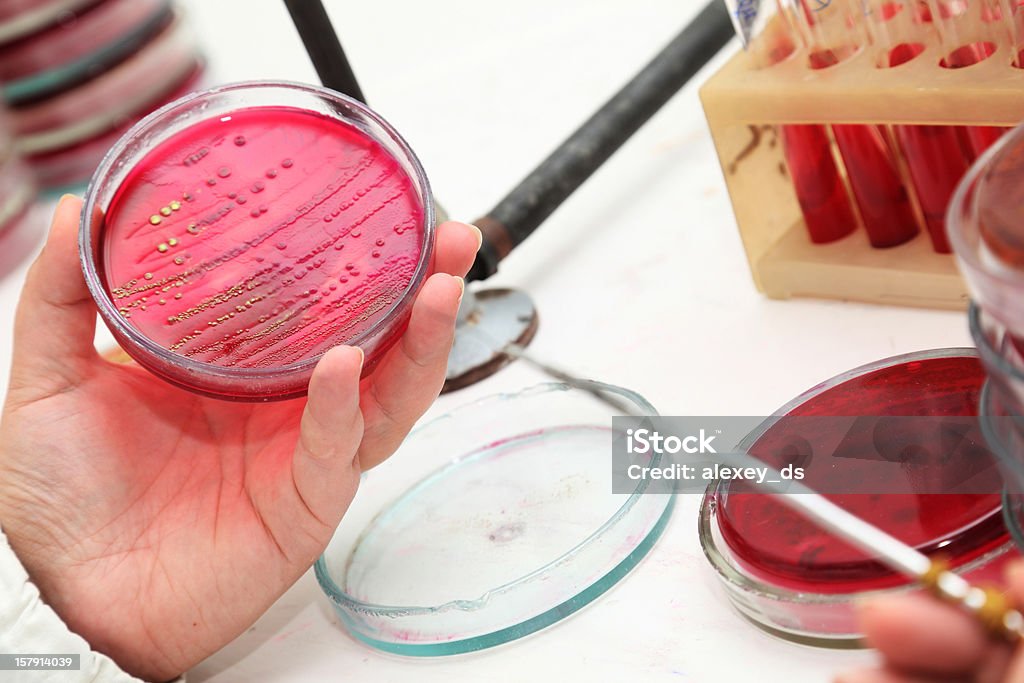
490	523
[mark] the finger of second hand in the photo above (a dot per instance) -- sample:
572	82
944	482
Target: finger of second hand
917	634
1014	670
411	374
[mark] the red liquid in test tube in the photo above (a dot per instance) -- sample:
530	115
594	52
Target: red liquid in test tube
818	183
882	199
875	181
936	163
977	139
938	156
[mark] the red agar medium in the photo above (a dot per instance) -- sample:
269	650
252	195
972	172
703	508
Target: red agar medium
262	238
783	548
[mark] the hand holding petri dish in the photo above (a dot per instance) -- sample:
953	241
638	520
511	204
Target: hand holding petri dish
234	236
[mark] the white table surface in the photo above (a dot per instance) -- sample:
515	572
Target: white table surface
640	280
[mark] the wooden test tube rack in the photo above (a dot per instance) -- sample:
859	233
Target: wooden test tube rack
744	104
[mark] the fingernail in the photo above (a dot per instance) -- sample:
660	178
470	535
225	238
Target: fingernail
462	287
864	605
350	349
479	237
66	197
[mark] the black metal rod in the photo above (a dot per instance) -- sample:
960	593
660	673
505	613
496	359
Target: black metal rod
557	177
324	48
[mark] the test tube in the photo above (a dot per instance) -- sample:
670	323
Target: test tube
1011	15
936	155
817	180
833	32
1007	25
973	29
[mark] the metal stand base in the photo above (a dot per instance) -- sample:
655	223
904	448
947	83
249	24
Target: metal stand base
489	320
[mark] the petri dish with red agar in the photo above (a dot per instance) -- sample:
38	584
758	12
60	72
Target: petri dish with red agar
793	579
234	236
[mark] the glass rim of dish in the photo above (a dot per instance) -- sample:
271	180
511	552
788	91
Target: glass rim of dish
730	572
964	234
988	353
109	312
338	595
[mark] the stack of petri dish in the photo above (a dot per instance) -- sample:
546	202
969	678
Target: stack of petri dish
17	187
77	74
987	236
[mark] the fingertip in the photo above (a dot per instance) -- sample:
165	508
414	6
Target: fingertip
68	199
62	237
880	618
466	231
1015	571
441	294
338	364
457	246
69	207
1015	582
917	632
334	385
455	285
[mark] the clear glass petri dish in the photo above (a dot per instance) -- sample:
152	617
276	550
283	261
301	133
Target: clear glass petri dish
235	235
1002	404
794	580
490	523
